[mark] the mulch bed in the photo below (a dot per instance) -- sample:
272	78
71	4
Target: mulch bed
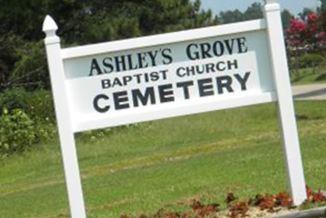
258	206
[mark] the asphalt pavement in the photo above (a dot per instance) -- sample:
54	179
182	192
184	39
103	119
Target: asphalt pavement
309	92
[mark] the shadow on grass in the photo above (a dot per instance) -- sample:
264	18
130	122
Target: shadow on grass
321	77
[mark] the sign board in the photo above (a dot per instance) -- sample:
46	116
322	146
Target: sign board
148	78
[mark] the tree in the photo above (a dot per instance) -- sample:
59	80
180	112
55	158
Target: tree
286	18
305	34
230	16
323	14
80	22
253	12
304	14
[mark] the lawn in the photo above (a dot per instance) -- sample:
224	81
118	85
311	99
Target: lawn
309	75
145	167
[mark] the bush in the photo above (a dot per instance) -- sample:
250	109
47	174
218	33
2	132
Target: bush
41	108
37	104
14	99
8	56
17	132
30	70
25	119
310	60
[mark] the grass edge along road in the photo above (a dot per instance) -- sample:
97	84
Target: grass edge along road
144	167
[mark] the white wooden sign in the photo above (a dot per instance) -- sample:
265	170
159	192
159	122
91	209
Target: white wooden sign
148	78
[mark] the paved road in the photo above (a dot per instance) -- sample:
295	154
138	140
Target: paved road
309	92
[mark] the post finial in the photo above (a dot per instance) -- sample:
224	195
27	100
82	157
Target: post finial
271	5
49	26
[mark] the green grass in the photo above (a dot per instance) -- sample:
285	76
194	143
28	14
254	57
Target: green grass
148	166
308	76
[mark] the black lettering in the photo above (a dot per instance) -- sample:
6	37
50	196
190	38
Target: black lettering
138	76
153	55
224	82
107	63
105	83
243	81
126	80
190	54
116	82
218	48
205	49
97	106
120	63
154	76
96	67
120	100
210	68
191	70
200	69
143	98
219	67
179	74
163	72
166	54
185	86
142	60
165	92
242	45
234	64
205	87
130	63
229	46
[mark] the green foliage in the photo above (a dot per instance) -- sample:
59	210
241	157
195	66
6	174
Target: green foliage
253	12
17	132
230	16
14	99
286	18
35	107
41	108
8	57
323	14
22	63
310	60
22	57
125	19
37	104
30	71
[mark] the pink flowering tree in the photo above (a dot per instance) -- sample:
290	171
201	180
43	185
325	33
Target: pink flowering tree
305	35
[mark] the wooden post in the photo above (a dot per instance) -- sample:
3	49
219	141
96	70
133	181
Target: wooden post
67	140
285	102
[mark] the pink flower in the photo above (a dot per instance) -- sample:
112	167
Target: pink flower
297	25
312	17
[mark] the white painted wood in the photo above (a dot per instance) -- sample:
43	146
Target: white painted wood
285	102
67	141
174	110
166	38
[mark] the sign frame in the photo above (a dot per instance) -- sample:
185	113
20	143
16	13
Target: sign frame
271	23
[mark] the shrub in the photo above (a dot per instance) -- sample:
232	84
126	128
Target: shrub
30	70
310	60
17	132
14	99
37	104
41	108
